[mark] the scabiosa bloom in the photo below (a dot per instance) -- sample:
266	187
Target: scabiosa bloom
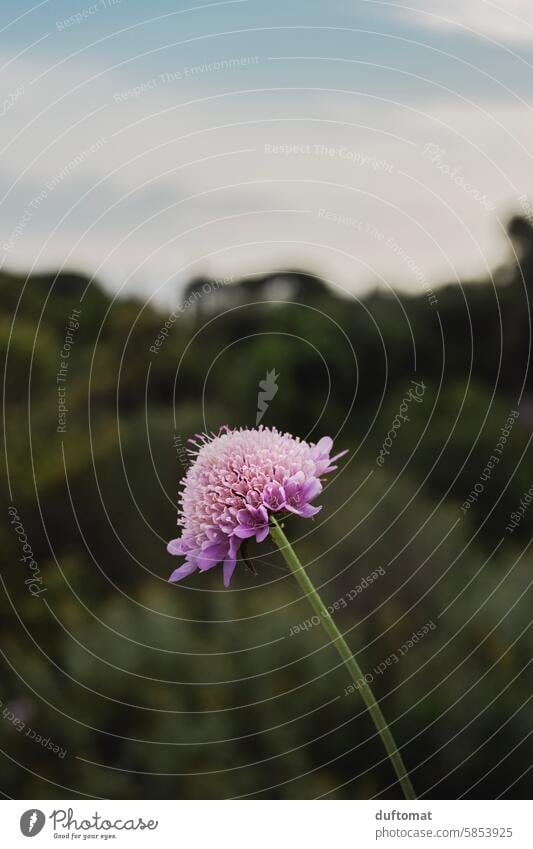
236	480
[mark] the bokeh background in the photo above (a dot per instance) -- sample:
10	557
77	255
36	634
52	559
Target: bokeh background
195	198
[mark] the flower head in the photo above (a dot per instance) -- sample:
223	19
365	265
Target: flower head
236	480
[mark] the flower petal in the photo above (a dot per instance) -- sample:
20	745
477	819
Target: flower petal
182	571
179	546
304	510
307	511
311	489
274	496
228	570
262	533
338	456
211	555
323	446
244	531
231	560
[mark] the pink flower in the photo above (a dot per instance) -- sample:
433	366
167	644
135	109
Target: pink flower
236	479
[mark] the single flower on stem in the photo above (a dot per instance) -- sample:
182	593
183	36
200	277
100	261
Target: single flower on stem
241	484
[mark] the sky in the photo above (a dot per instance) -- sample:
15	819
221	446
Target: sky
375	143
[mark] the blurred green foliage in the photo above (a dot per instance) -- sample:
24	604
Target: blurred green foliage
190	691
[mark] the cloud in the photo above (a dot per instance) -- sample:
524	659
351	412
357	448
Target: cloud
203	176
507	21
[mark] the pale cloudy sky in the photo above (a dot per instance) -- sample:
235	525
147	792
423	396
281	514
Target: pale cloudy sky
369	141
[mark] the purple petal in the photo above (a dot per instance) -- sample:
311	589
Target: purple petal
262	533
229	568
226	522
253	498
304	510
231	560
252	517
324	466
311	489
308	510
211	555
291	487
298	478
173	546
244	516
259	514
214	534
274	496
179	546
244	531
323	446
182	571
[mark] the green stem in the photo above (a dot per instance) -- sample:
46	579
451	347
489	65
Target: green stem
349	660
